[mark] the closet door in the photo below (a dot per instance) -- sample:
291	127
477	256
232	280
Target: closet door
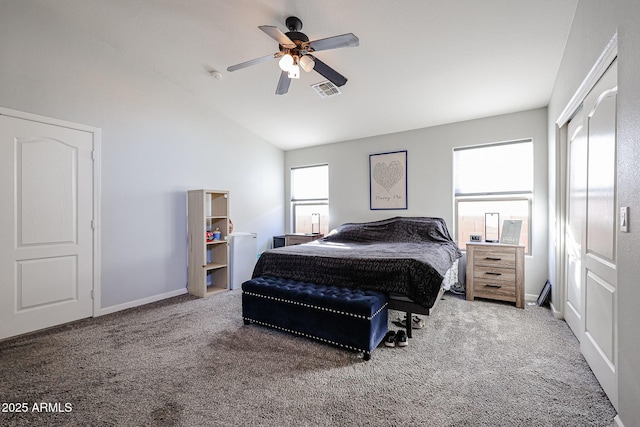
599	342
575	233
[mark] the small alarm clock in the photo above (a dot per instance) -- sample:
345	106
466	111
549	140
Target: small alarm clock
475	237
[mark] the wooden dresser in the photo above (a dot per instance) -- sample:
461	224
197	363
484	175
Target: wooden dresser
495	271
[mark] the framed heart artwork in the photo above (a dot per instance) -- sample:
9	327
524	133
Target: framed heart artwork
388	180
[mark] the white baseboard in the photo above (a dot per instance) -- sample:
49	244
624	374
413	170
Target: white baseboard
617	421
530	297
143	301
556	313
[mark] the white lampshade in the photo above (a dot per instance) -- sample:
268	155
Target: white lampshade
286	62
294	72
307	63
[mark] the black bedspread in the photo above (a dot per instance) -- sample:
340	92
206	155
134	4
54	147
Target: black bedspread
401	255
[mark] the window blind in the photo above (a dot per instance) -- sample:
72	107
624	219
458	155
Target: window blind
310	183
504	168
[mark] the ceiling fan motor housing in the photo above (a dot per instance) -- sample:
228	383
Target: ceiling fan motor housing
296	37
293	23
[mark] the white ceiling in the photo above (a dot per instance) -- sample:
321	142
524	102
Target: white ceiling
420	63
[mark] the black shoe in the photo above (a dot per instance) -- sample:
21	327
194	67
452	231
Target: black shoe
390	339
401	338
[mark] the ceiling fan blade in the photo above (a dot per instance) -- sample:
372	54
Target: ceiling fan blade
277	35
335	42
283	83
329	73
251	62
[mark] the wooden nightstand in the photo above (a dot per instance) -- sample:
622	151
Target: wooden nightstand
300	238
495	271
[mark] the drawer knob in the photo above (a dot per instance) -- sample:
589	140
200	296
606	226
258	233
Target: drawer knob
493	286
493	258
493	274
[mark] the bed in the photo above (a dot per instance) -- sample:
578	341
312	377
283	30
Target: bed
412	259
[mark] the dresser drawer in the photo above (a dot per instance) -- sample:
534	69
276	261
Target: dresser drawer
296	240
496	274
495	257
494	289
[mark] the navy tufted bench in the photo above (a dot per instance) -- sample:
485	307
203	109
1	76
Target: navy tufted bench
354	319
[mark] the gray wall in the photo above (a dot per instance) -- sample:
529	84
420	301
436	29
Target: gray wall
629	195
430	174
157	143
594	25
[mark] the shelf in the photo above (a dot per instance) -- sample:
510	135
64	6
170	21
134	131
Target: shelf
208	263
215	289
214	266
216	242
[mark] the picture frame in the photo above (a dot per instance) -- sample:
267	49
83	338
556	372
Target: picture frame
492	227
388	180
511	231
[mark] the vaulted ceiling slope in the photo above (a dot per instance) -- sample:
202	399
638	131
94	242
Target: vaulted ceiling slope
420	63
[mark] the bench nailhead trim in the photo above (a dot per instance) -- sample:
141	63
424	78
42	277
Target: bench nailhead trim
306	335
317	307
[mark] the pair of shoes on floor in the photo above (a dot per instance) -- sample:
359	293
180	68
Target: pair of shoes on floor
416	322
394	338
457	289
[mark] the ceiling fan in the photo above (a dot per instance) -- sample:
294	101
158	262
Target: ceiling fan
295	52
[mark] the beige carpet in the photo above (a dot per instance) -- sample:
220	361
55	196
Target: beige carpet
192	362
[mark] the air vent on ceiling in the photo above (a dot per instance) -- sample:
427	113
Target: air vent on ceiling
326	89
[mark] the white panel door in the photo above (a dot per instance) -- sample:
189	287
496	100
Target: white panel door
46	235
576	222
599	343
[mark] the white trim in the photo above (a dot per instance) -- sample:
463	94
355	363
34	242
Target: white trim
137	303
46	120
606	58
96	171
617	421
557	314
97	206
558	293
531	297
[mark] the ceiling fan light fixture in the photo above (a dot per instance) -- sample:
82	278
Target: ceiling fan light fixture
294	72
307	63
286	62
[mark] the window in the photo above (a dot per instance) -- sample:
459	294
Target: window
310	199
493	178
